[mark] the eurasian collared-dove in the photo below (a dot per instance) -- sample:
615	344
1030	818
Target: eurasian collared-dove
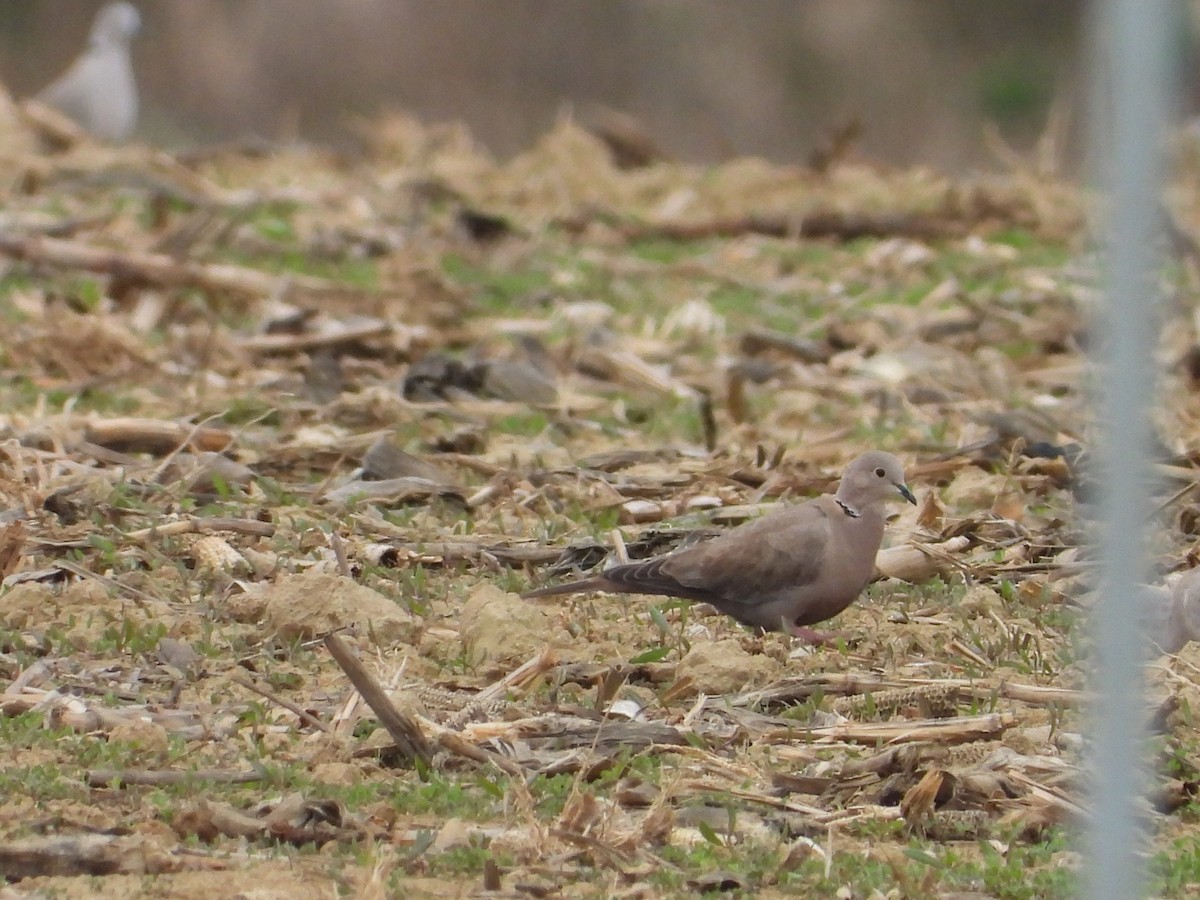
98	90
789	569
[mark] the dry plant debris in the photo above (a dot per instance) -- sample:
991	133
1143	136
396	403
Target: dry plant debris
284	435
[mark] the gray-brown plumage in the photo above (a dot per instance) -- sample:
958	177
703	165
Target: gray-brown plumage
782	572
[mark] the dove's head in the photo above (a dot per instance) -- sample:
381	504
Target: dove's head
116	23
873	478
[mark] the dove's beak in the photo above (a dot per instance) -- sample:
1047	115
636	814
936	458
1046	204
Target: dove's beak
906	493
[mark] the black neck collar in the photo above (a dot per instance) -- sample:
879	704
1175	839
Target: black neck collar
852	513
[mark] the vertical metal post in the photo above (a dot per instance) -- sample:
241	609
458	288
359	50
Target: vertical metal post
1132	85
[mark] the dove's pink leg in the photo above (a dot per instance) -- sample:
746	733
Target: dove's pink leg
816	638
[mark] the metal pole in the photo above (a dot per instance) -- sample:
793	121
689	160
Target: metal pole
1134	44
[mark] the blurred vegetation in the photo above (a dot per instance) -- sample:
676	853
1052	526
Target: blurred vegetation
707	80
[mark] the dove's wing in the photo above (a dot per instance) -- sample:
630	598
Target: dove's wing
739	569
785	550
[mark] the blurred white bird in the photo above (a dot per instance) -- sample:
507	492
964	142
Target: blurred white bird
98	90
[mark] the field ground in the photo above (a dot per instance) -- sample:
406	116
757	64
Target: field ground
251	399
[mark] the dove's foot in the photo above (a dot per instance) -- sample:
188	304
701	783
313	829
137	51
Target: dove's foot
817	638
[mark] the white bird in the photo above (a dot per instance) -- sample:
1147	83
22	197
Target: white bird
98	90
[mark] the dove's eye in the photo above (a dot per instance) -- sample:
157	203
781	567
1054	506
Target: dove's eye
879	473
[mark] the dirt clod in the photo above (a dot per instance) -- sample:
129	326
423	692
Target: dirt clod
498	627
309	604
724	667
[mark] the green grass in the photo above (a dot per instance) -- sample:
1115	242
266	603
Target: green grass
359	273
1175	870
662	250
525	424
497	290
246	409
129	636
19	391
